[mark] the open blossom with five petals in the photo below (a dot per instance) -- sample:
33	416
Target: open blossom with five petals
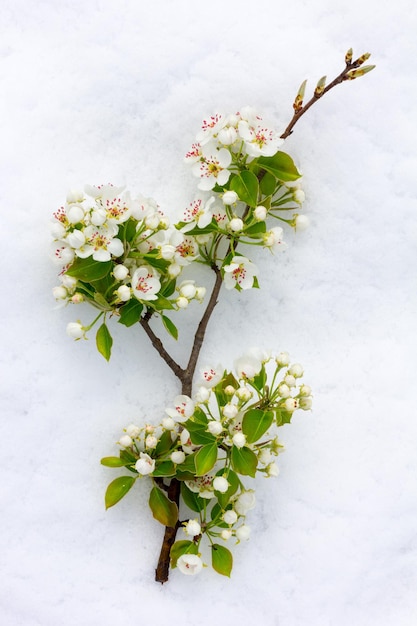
198	212
212	167
183	408
99	242
145	283
211	127
239	273
211	375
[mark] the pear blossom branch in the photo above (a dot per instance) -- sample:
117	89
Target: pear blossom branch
350	72
157	344
162	569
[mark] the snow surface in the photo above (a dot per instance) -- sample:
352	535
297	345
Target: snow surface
102	91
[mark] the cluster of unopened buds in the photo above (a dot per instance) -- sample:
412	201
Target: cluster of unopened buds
208	443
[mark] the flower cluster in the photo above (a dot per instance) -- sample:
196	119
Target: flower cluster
208	443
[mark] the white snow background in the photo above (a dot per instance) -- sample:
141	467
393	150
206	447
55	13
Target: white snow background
96	92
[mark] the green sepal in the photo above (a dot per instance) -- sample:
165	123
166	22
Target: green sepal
170	326
163	509
268	184
112	461
182	547
205	459
280	165
88	269
117	489
221	559
104	341
130	313
246	185
191	499
244	461
255	423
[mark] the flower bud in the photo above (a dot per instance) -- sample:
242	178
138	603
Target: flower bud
236	225
226	534
125	441
187	289
120	272
245	502
124	293
243	532
290	380
200	293
59	293
227	136
272	469
215	428
220	484
133	431
306	403
260	213
299	196
75	214
145	465
230	197
177	457
296	370
305	390
152	221
182	302
174	270
229	517
168	423
284	391
265	456
192	528
77	298
239	440
229	390
244	393
282	359
75	330
291	404
151	442
230	410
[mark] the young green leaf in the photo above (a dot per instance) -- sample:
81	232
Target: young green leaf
255	423
164	469
191	499
221	559
113	461
244	461
130	312
246	186
170	326
89	270
163	509
281	166
205	459
117	489
104	341
182	547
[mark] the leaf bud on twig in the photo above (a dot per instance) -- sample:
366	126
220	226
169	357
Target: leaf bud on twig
360	72
320	87
349	56
298	102
362	59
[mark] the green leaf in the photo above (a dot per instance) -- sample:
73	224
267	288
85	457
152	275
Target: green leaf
283	417
164	469
244	461
161	303
164	443
169	288
268	184
117	489
260	379
186	471
101	300
112	461
191	499
170	326
257	229
280	165
221	559
88	269
128	456
205	459
198	433
246	186
130	312
104	341
199	416
182	547
163	509
255	423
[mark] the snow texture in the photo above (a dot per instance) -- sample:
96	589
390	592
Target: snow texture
99	91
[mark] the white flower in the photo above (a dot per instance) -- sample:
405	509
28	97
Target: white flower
183	408
210	128
63	255
211	376
229	517
151	442
296	370
123	293
220	484
192	528
265	456
145	283
259	141
230	197
272	469
202	395
120	272
260	213
100	243
182	302
291	404
126	441
239	440
273	239
212	168
240	273
168	423
203	485
282	359
60	293
198	212
248	366
178	457
189	564
245	502
215	428
75	330
145	465
243	532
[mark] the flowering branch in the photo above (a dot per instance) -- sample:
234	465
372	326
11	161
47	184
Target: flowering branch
121	255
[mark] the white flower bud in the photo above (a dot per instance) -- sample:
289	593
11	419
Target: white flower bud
243	532
230	197
177	457
239	440
75	330
230	410
306	403
75	195
174	270
200	293
296	370
124	293
75	214
120	272
189	564
284	391
265	456
192	528
182	302
282	359
291	404
187	289
299	196
151	442
59	293
229	390
236	225
220	484
58	230
152	221
227	136
215	428
77	298
260	213
229	517
68	281
76	239
272	469
133	431
290	380
245	502
226	534
302	222
168	423
125	441
168	251
244	393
